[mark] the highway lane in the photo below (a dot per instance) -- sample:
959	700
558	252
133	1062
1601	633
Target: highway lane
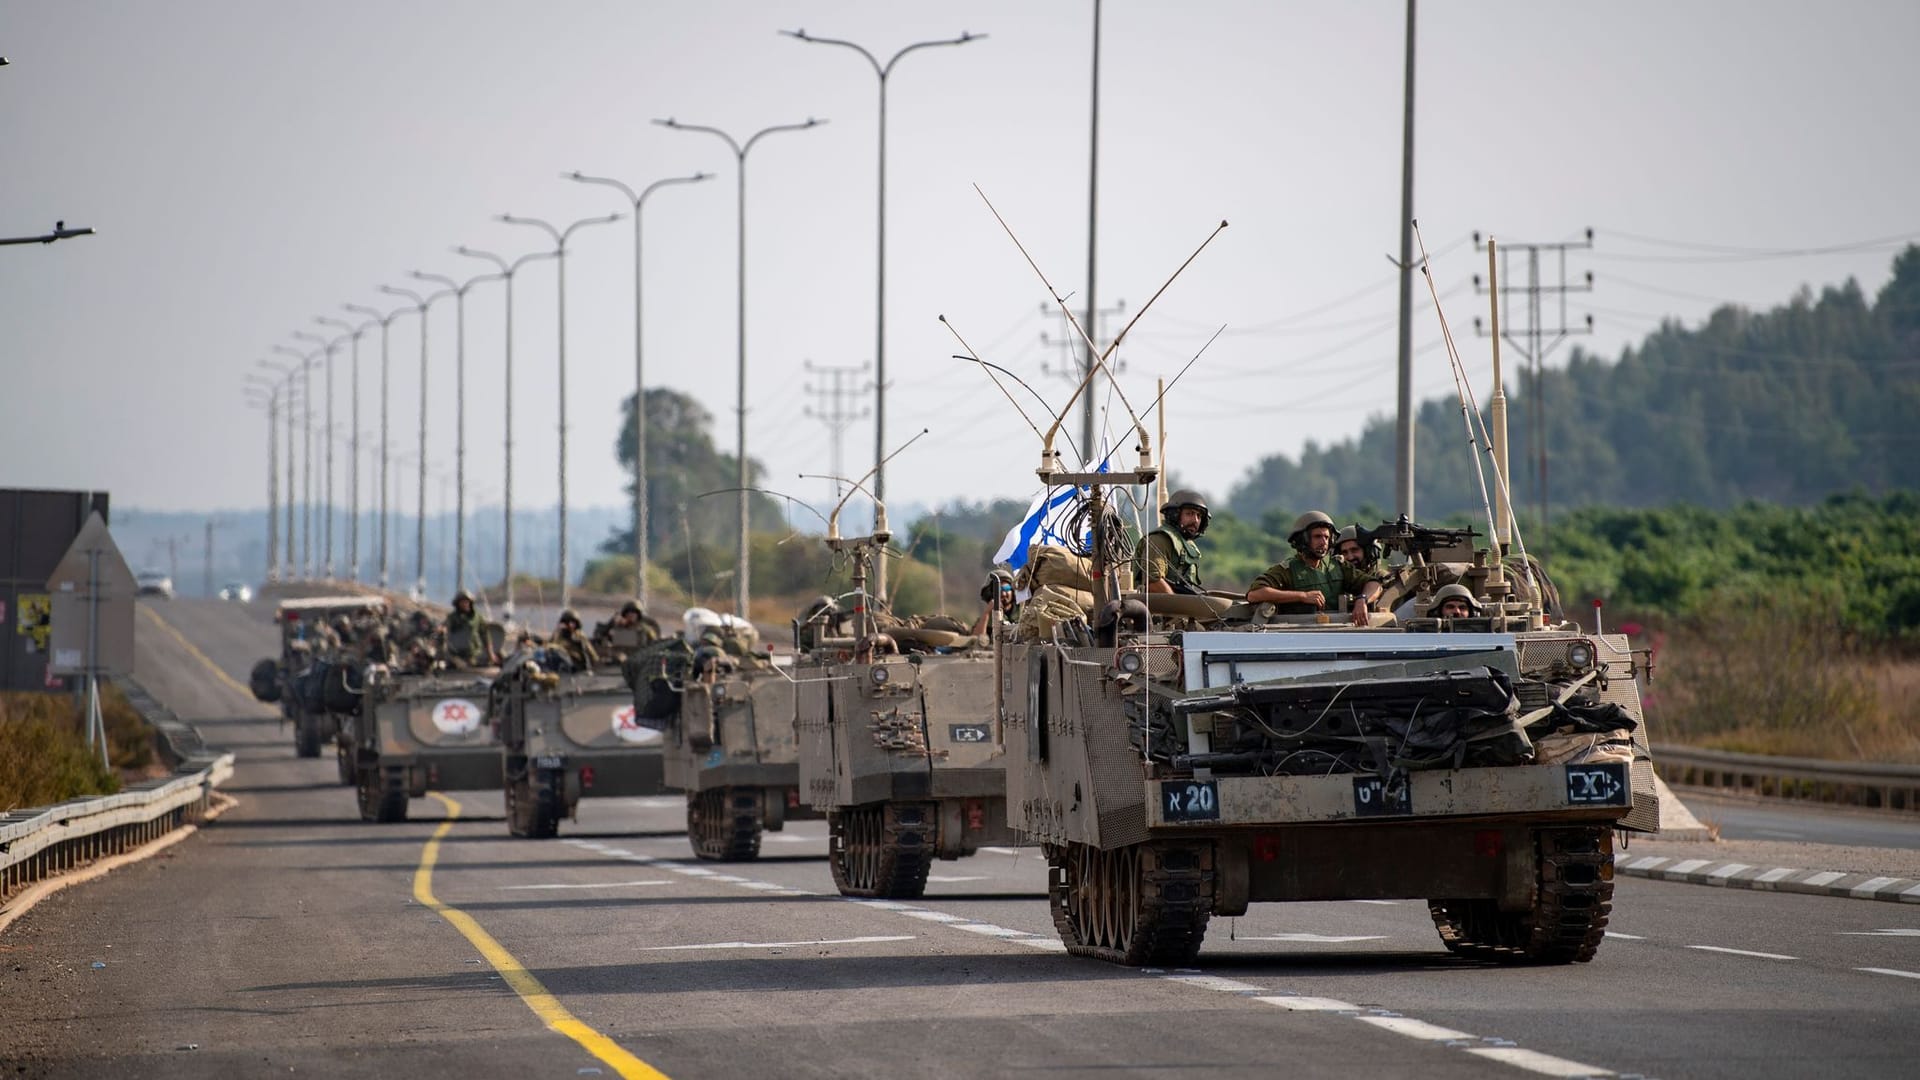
288	935
1746	818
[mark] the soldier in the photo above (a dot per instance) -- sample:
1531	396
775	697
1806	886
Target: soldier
570	642
1353	552
1313	578
629	631
1168	560
997	594
466	633
1454	601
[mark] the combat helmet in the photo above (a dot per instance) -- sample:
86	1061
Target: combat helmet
462	595
1456	591
995	582
1181	500
1369	550
1297	536
632	606
568	615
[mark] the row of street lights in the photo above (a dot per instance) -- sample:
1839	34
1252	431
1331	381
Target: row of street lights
277	396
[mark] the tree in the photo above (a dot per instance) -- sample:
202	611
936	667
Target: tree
682	464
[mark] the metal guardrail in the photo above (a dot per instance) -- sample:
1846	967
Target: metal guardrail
47	841
1845	783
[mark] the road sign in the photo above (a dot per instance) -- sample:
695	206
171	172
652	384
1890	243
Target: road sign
92	591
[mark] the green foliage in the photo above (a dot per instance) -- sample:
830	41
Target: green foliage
682	465
43	758
1783	406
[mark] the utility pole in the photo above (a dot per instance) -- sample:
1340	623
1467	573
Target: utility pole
1403	422
1533	342
207	580
1088	447
835	395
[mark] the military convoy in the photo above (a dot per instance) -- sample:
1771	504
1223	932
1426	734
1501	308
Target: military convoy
421	732
315	690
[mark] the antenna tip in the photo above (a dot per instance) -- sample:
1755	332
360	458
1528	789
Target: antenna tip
943	318
1223	223
1415	223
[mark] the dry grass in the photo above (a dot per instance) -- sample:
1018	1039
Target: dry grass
1783	679
44	757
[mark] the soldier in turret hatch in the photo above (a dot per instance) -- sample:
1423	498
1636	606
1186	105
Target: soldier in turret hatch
1314	579
1168	560
466	634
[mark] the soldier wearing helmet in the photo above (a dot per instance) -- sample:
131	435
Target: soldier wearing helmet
571	643
998	596
626	633
1168	560
466	634
1454	601
1314	579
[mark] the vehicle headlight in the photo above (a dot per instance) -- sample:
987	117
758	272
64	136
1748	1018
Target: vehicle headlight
1130	662
880	675
1580	656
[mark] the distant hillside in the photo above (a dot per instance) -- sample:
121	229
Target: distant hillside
1787	406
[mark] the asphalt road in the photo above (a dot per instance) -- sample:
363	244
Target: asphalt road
1749	819
290	937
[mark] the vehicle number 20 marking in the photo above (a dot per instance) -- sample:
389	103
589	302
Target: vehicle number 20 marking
1189	800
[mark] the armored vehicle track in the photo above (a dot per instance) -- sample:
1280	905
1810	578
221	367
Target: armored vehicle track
723	824
1572	899
882	851
1136	905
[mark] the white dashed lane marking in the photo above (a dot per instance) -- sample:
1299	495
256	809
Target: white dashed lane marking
590	885
1534	1061
778	944
1319	939
1309	1004
1902	931
1417	1029
950	880
1892	971
1624	937
1742	952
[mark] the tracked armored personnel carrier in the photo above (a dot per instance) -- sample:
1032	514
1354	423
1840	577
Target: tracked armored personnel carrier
898	737
1184	756
725	714
567	735
422	732
314	678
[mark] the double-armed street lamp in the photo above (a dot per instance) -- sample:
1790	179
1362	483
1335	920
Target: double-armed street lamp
262	391
421	304
353	442
459	291
305	368
326	436
742	586
386	325
560	238
286	372
638	200
882	70
507	270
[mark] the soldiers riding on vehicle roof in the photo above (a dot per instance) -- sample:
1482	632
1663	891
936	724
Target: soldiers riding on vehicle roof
1168	559
1313	579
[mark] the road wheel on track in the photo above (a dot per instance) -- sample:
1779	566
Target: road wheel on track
882	851
724	824
306	736
1573	896
383	794
533	805
1139	904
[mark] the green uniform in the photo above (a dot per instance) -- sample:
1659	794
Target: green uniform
1333	579
466	637
1165	555
578	650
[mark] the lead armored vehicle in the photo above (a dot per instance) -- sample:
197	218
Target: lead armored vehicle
423	732
899	741
565	735
725	714
1184	756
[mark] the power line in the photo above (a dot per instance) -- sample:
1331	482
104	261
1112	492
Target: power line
836	394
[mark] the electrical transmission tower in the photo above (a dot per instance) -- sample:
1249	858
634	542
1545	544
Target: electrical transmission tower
837	391
1534	341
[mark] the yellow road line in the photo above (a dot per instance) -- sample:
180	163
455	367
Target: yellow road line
195	652
544	1004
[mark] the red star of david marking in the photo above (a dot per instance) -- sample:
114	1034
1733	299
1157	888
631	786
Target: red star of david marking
625	719
454	712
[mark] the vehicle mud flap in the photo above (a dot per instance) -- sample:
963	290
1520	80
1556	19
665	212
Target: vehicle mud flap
1139	904
383	794
534	804
1573	898
306	735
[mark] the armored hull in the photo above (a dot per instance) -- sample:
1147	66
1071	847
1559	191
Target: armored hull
904	757
731	748
416	733
1183	775
567	737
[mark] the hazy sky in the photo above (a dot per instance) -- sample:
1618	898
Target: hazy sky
250	164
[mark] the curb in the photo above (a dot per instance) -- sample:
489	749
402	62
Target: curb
1734	875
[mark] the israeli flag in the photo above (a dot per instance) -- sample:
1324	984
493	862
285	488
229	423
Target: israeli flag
1045	523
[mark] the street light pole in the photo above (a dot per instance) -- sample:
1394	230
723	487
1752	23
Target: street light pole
882	70
742	584
286	373
326	437
560	238
507	270
306	457
420	503
386	324
254	382
640	508
460	418
353	445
